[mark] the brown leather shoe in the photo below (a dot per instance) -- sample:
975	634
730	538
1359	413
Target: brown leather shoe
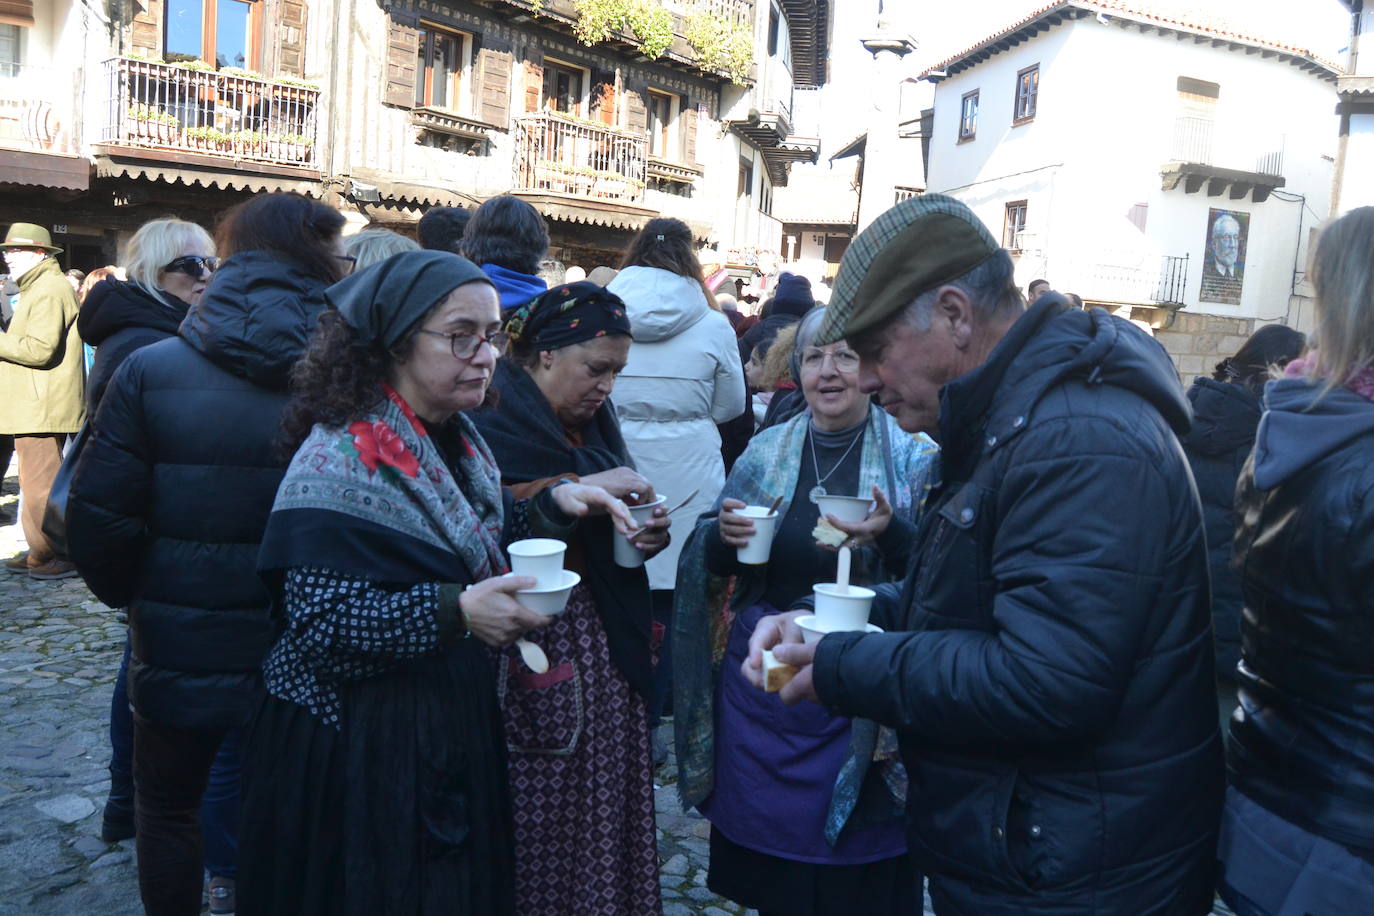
18	563
53	569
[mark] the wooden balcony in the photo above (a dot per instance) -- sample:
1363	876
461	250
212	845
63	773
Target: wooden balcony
222	117
558	154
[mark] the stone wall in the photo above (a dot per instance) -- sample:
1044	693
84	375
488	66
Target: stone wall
1198	342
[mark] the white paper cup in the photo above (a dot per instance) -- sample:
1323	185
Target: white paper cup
755	553
813	631
838	611
548	601
540	558
626	553
850	509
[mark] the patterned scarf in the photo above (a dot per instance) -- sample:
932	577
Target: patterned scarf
1362	382
385	471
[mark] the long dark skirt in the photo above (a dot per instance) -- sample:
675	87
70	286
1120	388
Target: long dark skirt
404	811
888	887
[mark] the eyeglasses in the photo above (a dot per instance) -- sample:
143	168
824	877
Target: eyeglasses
464	346
846	361
351	261
192	265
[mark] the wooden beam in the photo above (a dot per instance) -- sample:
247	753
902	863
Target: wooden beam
1261	194
1192	184
1215	186
1239	190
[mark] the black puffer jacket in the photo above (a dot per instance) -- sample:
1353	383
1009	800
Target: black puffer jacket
1224	420
1303	742
172	492
117	318
1053	683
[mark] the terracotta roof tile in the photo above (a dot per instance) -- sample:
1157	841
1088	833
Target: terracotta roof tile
1195	20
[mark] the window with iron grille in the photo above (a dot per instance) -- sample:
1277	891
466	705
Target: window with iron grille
968	118
1014	225
1027	93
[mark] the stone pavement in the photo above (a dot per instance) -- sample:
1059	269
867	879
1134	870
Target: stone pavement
59	651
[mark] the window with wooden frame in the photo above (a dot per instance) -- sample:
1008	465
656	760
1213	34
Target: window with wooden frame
1027	94
224	33
968	116
562	89
11	49
442	68
1013	225
662	118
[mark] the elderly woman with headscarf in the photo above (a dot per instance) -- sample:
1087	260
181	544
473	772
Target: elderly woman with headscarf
375	779
579	750
805	807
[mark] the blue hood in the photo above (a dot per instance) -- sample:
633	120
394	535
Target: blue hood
516	289
1299	429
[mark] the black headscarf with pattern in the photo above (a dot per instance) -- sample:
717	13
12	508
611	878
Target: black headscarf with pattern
568	314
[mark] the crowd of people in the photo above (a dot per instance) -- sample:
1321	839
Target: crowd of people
303	457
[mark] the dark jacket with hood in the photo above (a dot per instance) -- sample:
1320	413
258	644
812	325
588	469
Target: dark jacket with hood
1048	661
1302	743
172	491
117	318
1225	416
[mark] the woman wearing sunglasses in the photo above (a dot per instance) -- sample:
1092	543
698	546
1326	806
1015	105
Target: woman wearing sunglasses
169	263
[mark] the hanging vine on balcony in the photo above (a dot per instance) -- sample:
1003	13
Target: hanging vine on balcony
600	20
722	45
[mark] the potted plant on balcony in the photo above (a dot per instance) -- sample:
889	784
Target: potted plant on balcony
209	139
144	122
291	147
248	143
611	184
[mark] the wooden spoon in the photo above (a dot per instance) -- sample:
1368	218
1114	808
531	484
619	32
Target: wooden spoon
533	656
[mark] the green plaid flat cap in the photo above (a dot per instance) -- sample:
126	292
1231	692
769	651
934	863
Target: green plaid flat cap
916	246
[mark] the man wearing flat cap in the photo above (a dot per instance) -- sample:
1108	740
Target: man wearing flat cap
1047	662
42	385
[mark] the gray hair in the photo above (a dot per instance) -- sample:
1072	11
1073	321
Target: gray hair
372	246
991	287
807	329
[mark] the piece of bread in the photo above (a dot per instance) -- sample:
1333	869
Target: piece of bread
827	533
775	673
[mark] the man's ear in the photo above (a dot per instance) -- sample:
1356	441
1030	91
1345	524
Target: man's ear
955	309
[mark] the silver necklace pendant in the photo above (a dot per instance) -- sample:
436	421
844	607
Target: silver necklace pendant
816	493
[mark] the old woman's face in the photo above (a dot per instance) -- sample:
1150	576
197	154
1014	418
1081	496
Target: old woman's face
432	380
577	380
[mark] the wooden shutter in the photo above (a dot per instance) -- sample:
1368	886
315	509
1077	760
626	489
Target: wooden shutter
534	79
603	97
493	92
402	59
636	110
291	39
17	12
145	30
688	116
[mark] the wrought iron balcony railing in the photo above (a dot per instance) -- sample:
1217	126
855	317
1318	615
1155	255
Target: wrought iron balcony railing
1202	142
565	155
243	117
32	115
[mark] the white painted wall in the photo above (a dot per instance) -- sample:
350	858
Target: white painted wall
1357	188
1103	129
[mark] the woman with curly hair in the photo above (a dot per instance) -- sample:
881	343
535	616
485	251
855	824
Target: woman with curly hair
375	771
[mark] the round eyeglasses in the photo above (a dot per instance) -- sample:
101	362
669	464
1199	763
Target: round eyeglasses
464	346
191	265
846	361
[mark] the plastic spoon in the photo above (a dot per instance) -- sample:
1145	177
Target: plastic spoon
533	656
842	575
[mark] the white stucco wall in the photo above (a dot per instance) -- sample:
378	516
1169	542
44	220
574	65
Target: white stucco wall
1104	127
1357	188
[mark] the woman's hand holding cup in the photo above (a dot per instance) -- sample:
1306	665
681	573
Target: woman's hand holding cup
735	529
780	633
493	615
582	499
871	528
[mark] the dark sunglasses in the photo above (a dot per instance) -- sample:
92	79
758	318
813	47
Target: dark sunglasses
191	265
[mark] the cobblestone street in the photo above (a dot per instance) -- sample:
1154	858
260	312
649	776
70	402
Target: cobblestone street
59	651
